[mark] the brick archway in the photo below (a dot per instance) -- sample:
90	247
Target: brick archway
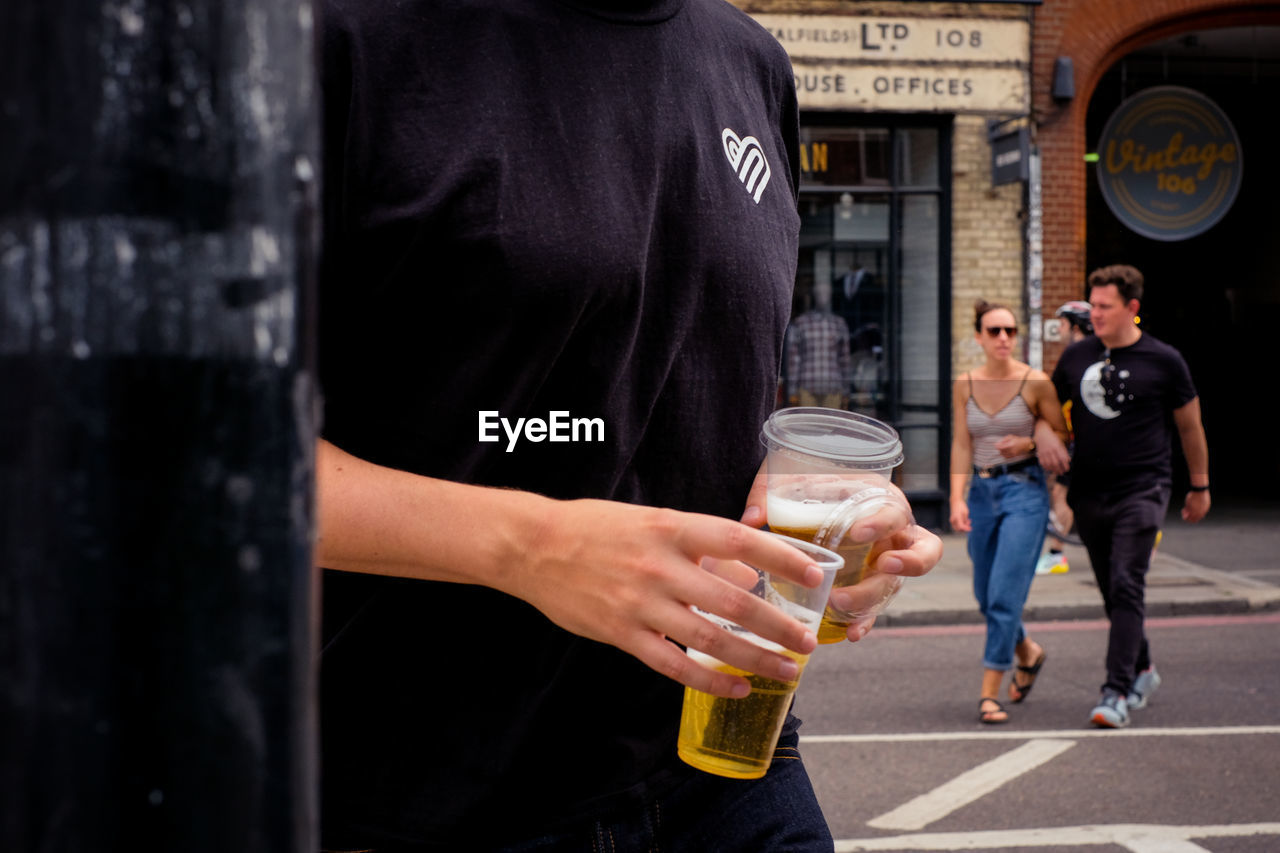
1096	34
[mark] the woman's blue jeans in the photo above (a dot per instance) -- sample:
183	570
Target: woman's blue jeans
1008	514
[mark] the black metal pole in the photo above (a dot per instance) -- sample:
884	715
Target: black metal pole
158	209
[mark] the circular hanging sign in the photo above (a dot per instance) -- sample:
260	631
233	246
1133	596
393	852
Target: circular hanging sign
1169	163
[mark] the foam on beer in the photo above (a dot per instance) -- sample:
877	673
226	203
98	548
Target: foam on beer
714	662
797	515
788	514
809	618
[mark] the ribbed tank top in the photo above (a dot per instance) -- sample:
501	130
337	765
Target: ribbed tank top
1014	418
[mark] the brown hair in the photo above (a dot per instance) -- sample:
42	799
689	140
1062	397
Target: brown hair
1127	280
982	306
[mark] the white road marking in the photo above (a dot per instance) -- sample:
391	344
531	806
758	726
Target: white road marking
1139	838
971	785
1072	734
1164	845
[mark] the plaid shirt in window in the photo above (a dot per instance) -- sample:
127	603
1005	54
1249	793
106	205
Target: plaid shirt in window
818	354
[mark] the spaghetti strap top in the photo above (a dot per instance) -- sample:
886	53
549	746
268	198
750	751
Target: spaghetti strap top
1014	418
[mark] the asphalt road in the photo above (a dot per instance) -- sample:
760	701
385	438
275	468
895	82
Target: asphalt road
899	761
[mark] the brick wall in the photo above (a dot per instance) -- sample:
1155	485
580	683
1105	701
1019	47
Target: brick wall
1096	34
986	238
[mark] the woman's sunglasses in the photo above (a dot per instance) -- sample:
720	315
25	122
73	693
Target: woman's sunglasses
994	331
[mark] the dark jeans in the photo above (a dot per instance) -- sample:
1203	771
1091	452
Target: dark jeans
1119	532
702	814
710	813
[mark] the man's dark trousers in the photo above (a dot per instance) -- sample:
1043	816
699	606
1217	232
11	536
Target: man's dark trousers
1119	531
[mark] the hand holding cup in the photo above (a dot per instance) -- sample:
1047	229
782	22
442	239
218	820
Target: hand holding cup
736	737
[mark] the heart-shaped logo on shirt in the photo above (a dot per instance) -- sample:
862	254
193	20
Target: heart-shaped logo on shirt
748	161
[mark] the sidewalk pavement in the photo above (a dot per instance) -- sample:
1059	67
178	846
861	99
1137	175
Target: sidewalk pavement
1175	587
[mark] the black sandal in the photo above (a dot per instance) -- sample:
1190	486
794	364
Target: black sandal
988	717
1024	690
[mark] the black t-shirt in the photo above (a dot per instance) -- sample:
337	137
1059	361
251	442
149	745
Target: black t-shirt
536	207
1122	403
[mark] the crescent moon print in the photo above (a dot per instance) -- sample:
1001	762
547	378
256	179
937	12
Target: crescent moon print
1093	395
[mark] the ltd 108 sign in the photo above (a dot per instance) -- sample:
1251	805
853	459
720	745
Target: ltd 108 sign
1169	163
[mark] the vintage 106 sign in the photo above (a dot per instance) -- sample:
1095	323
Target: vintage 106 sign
1169	163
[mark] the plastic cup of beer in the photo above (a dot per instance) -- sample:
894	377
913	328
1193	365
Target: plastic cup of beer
736	737
828	469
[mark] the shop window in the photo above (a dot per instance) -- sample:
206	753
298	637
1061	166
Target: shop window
871	273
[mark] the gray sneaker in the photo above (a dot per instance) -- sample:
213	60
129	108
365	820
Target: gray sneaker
1143	686
1111	712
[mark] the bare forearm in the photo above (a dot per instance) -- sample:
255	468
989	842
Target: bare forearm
1046	430
1050	421
613	572
383	521
1196	450
961	468
1050	448
1194	445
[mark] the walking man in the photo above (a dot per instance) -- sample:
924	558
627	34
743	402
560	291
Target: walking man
1129	393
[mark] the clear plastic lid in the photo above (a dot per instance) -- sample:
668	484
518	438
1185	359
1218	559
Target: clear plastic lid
846	439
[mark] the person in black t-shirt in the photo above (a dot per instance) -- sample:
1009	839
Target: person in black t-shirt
1129	393
536	210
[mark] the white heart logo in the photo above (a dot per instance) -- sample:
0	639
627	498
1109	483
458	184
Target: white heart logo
748	161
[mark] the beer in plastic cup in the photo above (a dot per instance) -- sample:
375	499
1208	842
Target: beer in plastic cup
736	737
827	469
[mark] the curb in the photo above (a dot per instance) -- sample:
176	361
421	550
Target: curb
1175	587
1076	613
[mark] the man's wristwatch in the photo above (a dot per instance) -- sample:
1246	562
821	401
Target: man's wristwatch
1203	488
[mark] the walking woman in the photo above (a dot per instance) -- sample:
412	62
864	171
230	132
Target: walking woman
993	453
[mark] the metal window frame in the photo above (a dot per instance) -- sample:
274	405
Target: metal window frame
929	505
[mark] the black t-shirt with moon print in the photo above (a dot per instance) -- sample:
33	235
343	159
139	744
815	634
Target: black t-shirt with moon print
536	207
1122	403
